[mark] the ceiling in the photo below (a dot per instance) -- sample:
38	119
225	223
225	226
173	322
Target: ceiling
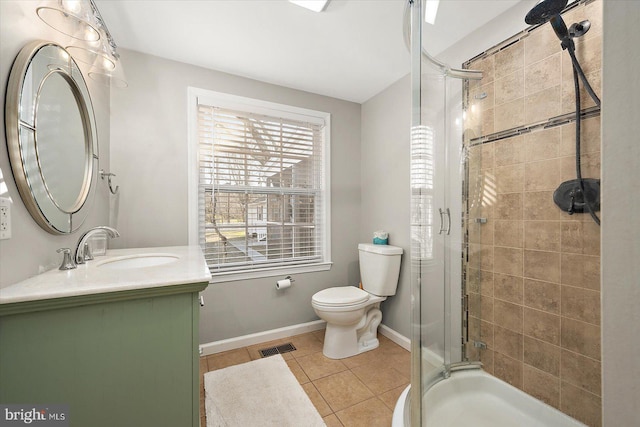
352	50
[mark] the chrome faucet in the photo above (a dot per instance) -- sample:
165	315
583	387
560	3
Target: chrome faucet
82	250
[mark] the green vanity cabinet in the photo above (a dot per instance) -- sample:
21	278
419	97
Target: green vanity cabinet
121	359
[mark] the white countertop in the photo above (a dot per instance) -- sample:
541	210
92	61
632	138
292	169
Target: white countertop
189	266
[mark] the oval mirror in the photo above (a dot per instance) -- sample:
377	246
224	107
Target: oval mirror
51	136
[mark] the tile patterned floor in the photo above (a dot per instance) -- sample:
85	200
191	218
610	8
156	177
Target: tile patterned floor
359	391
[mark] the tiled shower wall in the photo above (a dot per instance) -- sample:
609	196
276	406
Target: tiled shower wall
533	271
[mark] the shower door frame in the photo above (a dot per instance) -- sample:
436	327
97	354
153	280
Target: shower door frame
413	15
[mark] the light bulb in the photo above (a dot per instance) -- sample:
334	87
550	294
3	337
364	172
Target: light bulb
90	34
72	6
108	64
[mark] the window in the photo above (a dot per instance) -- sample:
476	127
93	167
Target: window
422	191
261	176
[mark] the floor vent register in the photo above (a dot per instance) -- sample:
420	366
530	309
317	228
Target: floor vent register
280	349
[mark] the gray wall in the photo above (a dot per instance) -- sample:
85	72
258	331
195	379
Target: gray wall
620	244
386	122
149	154
31	249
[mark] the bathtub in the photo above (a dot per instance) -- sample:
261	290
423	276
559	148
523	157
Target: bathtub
475	398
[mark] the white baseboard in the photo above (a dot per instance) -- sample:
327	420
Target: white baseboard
288	331
428	355
394	336
260	337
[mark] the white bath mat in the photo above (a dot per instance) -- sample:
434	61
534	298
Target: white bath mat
263	392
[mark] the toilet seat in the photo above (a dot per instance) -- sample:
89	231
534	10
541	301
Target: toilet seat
341	296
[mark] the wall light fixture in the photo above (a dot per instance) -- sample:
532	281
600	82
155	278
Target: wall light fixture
71	17
82	20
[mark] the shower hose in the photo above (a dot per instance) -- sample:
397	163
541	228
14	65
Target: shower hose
577	72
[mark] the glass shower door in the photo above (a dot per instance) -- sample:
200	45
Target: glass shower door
437	174
430	224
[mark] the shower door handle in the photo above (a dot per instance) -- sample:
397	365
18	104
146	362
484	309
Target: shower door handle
446	230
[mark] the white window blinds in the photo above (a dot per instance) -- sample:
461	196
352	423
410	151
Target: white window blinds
260	194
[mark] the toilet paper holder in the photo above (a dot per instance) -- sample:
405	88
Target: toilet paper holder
284	283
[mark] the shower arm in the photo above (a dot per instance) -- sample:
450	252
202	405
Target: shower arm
446	69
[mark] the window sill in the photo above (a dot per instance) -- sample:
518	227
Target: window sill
269	272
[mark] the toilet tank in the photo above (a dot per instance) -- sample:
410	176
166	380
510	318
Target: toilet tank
379	268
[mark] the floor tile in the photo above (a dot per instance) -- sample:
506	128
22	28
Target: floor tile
362	358
203	365
228	358
358	391
316	366
332	421
370	413
379	379
305	345
389	347
342	390
317	399
401	362
297	371
319	334
391	397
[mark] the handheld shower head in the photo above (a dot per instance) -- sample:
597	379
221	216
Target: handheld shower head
560	28
544	11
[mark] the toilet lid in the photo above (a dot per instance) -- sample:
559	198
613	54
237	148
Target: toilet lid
342	295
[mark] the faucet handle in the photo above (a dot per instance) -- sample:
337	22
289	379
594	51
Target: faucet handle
67	261
86	252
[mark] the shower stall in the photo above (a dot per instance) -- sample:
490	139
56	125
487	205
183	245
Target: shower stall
505	279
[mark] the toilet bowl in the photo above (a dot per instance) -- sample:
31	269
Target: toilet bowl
353	314
352	317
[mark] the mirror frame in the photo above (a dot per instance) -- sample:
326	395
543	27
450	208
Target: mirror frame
22	140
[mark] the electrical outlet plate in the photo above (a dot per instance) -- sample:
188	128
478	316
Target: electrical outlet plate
5	218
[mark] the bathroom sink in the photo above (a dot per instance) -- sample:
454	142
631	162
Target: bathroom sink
140	269
137	261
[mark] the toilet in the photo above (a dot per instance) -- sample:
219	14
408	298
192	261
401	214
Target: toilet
353	314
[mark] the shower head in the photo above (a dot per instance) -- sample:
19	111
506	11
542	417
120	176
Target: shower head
549	10
544	11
